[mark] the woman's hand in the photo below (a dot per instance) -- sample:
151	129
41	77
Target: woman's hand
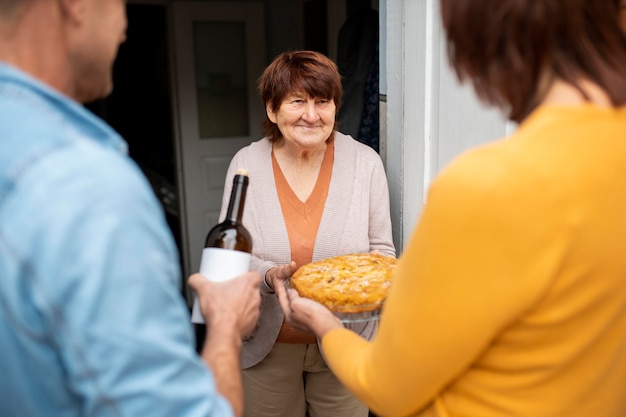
306	315
276	276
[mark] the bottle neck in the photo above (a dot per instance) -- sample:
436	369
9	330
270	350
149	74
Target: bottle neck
237	199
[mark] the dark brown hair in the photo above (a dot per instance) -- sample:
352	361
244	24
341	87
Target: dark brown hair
298	71
504	47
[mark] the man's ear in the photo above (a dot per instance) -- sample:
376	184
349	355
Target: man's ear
73	10
270	113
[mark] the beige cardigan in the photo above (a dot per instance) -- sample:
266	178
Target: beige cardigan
356	219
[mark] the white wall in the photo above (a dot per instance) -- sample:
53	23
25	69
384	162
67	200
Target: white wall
428	118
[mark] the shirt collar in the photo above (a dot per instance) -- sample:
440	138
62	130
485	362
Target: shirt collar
22	86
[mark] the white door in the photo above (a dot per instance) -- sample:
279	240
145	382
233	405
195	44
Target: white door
219	55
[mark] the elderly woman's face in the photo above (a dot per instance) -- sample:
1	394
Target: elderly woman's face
304	121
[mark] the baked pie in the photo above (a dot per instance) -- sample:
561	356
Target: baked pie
354	283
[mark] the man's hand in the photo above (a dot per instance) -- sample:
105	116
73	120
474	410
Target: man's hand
277	275
306	315
236	301
231	310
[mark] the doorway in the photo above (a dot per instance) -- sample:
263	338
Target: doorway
140	106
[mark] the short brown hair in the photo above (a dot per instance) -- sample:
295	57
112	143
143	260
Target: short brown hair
504	46
298	71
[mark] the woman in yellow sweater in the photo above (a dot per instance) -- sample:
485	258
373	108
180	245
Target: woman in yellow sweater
510	299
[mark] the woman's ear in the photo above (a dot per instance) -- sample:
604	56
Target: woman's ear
270	112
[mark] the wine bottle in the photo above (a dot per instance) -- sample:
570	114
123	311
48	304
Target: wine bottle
228	244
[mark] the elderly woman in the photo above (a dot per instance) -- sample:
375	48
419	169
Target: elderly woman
314	193
510	299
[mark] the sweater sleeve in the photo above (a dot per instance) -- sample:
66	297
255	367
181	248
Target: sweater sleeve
380	234
464	277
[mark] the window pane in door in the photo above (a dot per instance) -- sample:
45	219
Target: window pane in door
220	66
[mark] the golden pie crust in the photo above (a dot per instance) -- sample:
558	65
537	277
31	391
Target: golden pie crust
353	283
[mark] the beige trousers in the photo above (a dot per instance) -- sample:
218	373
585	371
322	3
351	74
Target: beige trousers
294	381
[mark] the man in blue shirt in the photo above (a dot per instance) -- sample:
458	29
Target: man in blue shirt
92	322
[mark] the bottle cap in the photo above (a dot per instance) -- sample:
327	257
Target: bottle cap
242	171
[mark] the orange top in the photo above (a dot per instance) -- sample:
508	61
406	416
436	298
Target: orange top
509	299
302	220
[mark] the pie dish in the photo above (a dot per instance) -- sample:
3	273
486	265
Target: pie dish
352	286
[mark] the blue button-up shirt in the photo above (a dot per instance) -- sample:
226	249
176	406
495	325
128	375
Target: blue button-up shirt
92	322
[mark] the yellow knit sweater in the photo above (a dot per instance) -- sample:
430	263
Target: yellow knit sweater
510	299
